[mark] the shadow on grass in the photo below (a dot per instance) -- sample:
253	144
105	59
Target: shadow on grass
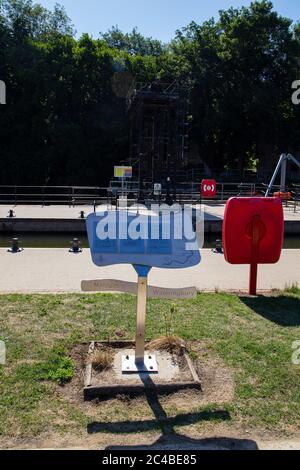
176	442
282	310
169	438
161	422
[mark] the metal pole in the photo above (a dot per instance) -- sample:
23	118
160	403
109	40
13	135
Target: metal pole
282	158
283	176
254	255
141	320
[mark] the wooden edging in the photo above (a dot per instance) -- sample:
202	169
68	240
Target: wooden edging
191	366
112	391
89	368
91	392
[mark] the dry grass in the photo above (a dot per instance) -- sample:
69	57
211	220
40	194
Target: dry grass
101	360
172	344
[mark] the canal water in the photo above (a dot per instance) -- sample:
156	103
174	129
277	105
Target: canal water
63	240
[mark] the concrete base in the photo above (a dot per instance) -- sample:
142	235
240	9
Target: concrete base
172	377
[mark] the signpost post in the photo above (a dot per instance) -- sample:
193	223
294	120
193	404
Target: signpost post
145	241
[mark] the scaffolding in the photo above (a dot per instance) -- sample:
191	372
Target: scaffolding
158	132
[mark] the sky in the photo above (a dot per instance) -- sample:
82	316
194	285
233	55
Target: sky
157	18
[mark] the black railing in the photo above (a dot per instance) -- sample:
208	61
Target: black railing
188	192
50	195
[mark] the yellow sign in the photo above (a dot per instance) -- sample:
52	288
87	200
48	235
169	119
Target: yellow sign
123	171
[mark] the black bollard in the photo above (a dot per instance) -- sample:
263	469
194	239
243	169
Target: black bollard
82	215
15	248
11	214
75	246
219	247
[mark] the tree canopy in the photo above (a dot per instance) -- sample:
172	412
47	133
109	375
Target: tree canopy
64	122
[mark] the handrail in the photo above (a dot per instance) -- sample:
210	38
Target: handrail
72	195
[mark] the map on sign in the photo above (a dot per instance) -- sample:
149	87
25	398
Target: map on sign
161	241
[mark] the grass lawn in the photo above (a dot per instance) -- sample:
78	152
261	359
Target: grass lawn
251	338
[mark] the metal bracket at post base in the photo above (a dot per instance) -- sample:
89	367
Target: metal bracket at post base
147	365
141	362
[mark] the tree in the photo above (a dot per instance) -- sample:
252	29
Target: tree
26	19
64	122
134	43
240	68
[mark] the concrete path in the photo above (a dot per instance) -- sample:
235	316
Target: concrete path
57	270
213	211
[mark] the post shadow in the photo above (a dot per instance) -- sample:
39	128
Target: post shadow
282	310
169	438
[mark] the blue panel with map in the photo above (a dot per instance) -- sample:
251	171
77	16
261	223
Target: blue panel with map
120	237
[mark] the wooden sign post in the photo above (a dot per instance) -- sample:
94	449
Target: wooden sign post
141	362
143	252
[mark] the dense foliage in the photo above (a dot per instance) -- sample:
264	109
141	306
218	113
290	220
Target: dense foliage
65	120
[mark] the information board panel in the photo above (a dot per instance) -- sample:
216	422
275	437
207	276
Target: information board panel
162	241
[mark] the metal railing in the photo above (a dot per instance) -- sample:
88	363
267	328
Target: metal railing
50	195
188	192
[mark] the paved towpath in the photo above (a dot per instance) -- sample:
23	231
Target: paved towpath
56	270
213	211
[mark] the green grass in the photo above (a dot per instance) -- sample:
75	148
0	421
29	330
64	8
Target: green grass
252	336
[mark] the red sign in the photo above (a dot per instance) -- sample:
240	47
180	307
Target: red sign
253	232
209	188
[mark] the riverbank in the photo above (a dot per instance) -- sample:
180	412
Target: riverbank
65	219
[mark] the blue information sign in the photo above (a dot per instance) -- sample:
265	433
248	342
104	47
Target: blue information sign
163	241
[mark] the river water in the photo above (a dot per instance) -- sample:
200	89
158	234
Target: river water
63	240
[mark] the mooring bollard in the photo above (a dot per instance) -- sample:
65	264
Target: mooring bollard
82	214
75	246
11	214
218	248
15	248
